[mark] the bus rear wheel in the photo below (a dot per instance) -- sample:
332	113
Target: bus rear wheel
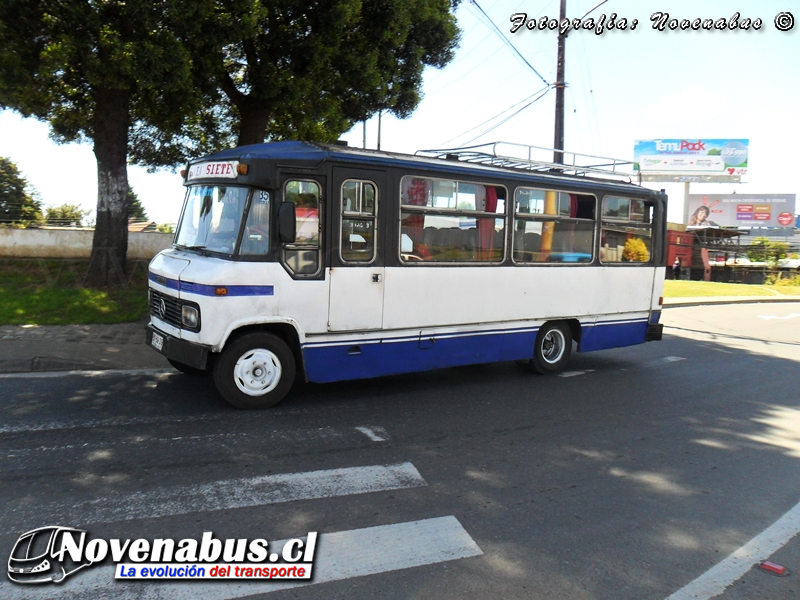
255	371
552	349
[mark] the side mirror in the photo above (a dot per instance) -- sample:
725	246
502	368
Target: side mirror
287	223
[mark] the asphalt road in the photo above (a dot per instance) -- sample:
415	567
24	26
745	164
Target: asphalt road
628	477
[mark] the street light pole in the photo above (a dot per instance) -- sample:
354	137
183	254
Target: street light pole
558	142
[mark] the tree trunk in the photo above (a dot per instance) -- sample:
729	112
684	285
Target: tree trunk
253	125
110	244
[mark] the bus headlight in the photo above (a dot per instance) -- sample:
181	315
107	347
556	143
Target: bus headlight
190	316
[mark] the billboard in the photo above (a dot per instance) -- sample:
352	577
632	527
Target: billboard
712	157
741	210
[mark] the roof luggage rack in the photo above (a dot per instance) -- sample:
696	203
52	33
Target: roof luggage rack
521	156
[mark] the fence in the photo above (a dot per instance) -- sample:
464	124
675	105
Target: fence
67	242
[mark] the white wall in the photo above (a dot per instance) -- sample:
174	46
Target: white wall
74	243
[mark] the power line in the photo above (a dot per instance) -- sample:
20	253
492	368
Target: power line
595	8
541	95
511	116
465	74
492	118
509	44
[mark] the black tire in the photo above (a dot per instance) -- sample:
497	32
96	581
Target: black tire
186	369
552	349
255	371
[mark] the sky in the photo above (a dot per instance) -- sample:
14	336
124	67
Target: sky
622	86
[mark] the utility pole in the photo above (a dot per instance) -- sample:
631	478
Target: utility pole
558	142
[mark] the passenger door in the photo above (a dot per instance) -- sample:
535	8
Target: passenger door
357	268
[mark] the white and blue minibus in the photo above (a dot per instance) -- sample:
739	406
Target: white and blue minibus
333	263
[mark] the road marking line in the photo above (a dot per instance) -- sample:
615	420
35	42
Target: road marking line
790	316
670	359
574	373
724	574
109	372
663	361
125	421
281	437
114	422
376	434
571	373
224	495
340	555
105	444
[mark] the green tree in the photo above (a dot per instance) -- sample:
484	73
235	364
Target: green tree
758	249
95	71
290	69
157	81
777	251
18	202
65	215
763	249
136	211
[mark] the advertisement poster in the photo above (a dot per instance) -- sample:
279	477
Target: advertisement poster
741	210
692	155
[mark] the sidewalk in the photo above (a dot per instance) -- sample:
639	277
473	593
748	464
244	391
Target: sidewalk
30	348
25	348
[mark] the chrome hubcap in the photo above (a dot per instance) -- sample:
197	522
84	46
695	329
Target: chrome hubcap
553	346
257	372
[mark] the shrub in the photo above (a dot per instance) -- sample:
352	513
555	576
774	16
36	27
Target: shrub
782	279
635	251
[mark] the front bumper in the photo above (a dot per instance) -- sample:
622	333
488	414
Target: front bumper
188	353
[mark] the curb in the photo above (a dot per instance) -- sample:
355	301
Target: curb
686	302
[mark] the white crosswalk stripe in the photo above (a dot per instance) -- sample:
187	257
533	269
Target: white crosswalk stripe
226	495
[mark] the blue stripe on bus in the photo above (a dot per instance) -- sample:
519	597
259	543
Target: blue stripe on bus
202	289
333	363
612	334
172	284
359	359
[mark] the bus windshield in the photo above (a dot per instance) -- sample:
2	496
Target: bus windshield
211	219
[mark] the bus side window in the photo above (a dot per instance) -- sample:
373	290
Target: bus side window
303	256
450	221
626	231
553	227
358	214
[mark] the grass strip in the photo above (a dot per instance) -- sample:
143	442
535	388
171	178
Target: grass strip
51	292
698	289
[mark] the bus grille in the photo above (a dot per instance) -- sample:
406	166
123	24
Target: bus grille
169	306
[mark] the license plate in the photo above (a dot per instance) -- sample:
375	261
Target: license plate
157	342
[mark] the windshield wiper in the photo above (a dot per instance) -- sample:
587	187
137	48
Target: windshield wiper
200	249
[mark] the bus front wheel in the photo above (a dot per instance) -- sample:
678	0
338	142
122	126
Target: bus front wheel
255	371
552	349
